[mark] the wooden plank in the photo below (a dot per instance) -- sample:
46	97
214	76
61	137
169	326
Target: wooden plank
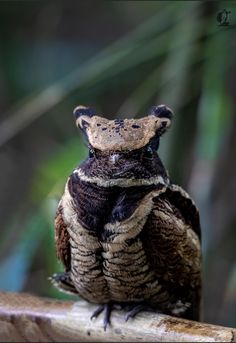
27	318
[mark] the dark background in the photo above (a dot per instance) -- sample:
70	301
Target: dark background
120	57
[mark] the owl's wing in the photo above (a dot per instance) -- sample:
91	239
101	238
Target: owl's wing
171	240
62	238
183	202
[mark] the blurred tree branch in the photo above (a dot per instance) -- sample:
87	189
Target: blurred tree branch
28	318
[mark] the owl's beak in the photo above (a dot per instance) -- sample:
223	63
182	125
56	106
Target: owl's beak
114	158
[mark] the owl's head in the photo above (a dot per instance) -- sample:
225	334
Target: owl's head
122	135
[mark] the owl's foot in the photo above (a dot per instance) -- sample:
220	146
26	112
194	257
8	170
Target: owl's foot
63	282
135	309
107	308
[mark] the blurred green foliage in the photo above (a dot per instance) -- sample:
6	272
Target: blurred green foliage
121	57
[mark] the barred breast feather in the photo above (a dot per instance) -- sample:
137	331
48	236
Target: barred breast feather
129	244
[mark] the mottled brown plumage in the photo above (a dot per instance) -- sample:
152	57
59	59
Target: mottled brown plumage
125	234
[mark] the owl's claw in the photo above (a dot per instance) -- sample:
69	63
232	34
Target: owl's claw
97	312
107	314
135	309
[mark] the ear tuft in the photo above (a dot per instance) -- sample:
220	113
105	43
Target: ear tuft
83	111
161	111
163	115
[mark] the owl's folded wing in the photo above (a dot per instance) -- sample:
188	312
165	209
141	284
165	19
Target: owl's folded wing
62	239
171	240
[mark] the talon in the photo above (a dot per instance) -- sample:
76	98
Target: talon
96	313
135	309
107	314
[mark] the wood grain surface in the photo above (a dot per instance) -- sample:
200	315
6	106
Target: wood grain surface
27	318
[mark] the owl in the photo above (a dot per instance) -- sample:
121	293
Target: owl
124	232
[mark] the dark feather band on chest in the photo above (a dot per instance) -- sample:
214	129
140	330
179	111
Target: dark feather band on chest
97	205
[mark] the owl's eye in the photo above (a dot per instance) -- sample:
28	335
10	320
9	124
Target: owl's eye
148	152
91	152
